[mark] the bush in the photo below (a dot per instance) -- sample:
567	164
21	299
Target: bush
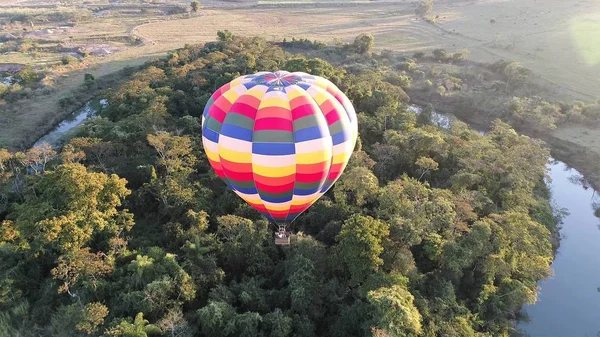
69	59
440	54
419	55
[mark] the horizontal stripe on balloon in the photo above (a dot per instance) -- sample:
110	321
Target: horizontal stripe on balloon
235	144
340	137
305	192
237	176
212	124
332	117
245	190
340	158
273	161
235	156
240	120
237	132
273	112
280	207
267	198
314	145
308	122
313	168
268	136
231	95
273	148
313	158
272	180
280	188
311	133
273	172
210	135
274	101
310	177
274	123
305	110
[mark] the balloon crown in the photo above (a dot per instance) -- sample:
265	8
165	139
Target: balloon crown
277	79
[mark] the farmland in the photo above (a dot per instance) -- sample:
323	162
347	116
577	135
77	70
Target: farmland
555	41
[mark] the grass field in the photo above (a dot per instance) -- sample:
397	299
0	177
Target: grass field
556	39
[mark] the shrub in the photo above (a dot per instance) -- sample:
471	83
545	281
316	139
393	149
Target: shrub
69	59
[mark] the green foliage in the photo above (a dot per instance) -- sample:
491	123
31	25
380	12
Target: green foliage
69	59
428	232
195	5
363	44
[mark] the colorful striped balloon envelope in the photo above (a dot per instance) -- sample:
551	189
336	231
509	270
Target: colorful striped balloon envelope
279	140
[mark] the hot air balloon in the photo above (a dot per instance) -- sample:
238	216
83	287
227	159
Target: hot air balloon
279	140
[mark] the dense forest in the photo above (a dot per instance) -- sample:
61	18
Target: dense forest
128	232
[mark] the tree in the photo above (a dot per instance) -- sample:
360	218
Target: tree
424	8
395	312
140	327
68	206
225	35
363	44
426	164
360	245
195	6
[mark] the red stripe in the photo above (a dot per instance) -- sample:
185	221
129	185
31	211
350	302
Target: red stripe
278	214
310	177
332	117
274	188
312	168
299	208
243	109
274	181
237	167
238	176
217	113
273	111
300	101
249	100
260	208
303	111
275	124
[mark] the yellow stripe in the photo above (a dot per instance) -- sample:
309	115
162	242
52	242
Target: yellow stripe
313	158
235	156
212	155
231	95
320	97
295	93
272	207
256	92
340	158
274	172
302	202
274	101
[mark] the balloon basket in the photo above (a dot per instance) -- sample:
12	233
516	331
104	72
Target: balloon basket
282	241
282	237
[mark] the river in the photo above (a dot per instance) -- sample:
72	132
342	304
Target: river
569	302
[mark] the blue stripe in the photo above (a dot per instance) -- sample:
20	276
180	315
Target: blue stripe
275	200
268	216
249	85
273	148
236	132
311	133
298	191
326	186
245	190
304	85
291	217
210	134
338	138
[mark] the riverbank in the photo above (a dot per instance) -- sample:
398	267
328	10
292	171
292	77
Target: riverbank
574	155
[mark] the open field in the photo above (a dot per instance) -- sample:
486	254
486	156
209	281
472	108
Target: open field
557	42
